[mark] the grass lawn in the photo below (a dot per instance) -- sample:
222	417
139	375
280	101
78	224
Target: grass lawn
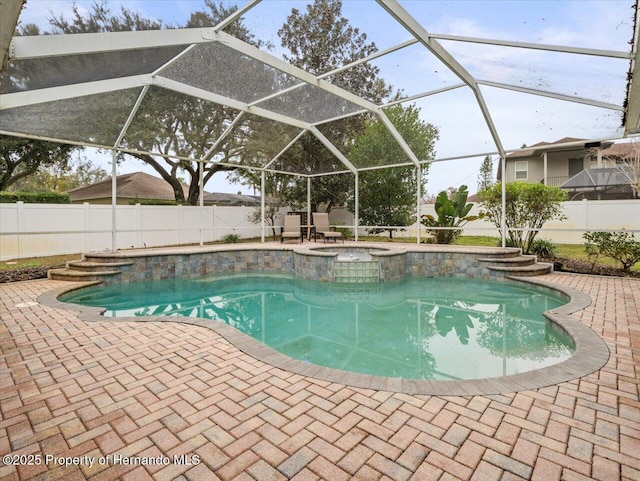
47	261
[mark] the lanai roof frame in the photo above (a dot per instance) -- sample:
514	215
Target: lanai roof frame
191	39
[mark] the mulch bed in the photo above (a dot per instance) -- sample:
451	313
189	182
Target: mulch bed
585	267
25	273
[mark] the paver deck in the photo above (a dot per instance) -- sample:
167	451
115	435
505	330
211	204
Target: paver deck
123	394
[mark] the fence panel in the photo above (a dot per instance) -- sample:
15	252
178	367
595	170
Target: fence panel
30	230
582	216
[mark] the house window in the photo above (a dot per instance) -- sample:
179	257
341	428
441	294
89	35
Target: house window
522	170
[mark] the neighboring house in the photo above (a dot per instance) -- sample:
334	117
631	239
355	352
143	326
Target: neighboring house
137	186
218	198
142	187
567	163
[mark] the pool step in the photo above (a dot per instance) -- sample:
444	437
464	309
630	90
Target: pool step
517	265
517	260
91	266
87	270
73	275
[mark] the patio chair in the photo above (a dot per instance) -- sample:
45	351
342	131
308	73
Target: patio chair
321	223
291	228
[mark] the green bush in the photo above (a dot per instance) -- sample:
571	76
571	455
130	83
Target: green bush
346	232
528	208
451	213
544	248
34	198
507	243
620	246
231	239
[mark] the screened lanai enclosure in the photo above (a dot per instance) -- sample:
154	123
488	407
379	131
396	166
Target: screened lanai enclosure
489	82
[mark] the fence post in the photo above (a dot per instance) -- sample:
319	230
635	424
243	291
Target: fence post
87	225
586	214
213	223
20	217
179	224
138	225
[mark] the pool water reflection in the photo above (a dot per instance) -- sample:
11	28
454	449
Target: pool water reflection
418	328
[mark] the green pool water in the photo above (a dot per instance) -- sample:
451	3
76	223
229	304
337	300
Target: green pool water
418	328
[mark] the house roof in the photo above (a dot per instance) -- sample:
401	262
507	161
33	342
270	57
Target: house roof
219	198
130	186
540	147
621	149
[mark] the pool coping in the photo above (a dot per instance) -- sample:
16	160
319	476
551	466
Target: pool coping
590	355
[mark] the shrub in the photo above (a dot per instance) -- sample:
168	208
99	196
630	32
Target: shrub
620	246
34	198
451	213
347	233
231	239
507	243
543	248
528	208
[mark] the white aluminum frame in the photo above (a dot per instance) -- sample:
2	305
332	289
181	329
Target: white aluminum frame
23	48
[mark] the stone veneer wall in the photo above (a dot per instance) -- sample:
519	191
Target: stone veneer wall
449	264
317	266
393	266
158	267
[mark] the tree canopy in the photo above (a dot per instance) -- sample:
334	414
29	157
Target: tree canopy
61	177
174	124
320	40
20	158
485	175
388	196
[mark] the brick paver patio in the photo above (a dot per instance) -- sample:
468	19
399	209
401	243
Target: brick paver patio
114	393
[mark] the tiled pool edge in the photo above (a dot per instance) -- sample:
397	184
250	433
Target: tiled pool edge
303	261
591	352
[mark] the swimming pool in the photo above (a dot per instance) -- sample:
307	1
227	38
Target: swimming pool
417	328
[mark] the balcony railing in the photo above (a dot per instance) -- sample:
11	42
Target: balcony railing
556	180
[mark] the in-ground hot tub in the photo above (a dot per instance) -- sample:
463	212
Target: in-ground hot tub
350	264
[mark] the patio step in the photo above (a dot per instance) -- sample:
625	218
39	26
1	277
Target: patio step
88	269
537	269
91	266
516	264
73	275
518	260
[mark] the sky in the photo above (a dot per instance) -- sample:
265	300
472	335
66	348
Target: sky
519	118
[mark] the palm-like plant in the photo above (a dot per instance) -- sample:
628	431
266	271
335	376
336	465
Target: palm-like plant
452	212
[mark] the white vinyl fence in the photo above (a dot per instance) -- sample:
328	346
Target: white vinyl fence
31	230
582	216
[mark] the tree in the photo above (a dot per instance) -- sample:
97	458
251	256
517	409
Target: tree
20	158
61	177
388	196
320	40
620	246
628	165
169	122
529	207
485	175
